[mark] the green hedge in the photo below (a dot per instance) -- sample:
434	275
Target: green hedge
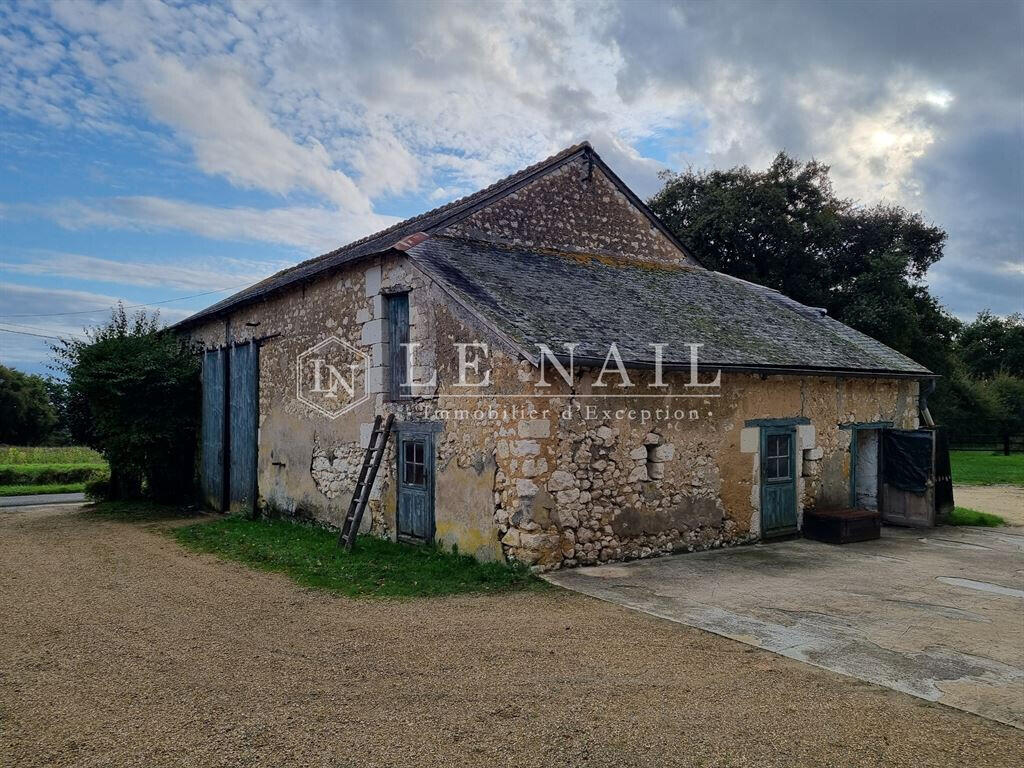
46	474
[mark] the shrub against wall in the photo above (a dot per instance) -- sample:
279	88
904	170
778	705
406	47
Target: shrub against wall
133	394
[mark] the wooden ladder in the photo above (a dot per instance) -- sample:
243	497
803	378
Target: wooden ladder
361	493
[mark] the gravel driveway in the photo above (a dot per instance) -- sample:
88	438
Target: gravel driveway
119	648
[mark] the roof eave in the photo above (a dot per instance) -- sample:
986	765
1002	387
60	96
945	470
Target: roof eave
792	370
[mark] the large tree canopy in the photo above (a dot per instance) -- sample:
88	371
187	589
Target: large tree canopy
784	227
26	415
991	345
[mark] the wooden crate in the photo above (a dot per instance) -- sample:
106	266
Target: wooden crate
842	526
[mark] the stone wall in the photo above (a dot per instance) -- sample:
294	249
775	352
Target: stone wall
575	208
620	488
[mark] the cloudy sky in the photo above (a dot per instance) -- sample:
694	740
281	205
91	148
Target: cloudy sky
166	154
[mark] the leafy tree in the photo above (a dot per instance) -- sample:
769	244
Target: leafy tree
1008	391
133	394
26	415
784	227
57	393
992	344
964	405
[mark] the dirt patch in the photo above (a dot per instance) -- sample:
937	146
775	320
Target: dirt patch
1007	501
120	648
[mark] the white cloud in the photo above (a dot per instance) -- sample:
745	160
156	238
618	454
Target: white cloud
309	228
339	107
89	307
212	108
195	276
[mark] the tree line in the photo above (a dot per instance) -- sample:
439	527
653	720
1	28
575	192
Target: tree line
786	228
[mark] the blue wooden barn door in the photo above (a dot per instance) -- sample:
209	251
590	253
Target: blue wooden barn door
778	481
211	462
243	406
415	486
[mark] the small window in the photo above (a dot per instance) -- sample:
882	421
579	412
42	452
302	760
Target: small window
776	462
399	375
414	463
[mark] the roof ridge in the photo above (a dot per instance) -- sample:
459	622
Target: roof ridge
480	193
451	205
622	259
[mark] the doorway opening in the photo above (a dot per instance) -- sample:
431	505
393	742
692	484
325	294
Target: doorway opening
866	467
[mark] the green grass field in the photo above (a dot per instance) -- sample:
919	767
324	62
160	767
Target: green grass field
376	568
44	454
984	468
965	516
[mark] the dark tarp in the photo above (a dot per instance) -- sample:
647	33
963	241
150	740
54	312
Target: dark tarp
943	472
907	459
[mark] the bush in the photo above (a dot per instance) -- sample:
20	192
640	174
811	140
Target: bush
47	474
133	393
98	489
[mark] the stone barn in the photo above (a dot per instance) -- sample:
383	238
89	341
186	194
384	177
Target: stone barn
569	384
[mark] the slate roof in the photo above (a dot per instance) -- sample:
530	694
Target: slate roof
428	222
544	296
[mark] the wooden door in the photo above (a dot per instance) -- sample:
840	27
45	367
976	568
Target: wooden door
778	481
415	486
211	461
908	477
243	408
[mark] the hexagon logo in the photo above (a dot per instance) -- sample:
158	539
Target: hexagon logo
330	377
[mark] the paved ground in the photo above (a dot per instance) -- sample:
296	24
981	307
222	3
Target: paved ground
42	498
1007	501
119	648
937	614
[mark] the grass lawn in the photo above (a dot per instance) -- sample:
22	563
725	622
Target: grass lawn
965	516
984	468
29	490
376	568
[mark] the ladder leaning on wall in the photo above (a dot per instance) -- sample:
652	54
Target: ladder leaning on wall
367	474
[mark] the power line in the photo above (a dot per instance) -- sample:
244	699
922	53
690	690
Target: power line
27	333
32	327
129	306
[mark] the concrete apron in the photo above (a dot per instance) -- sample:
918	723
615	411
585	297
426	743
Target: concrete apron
937	614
